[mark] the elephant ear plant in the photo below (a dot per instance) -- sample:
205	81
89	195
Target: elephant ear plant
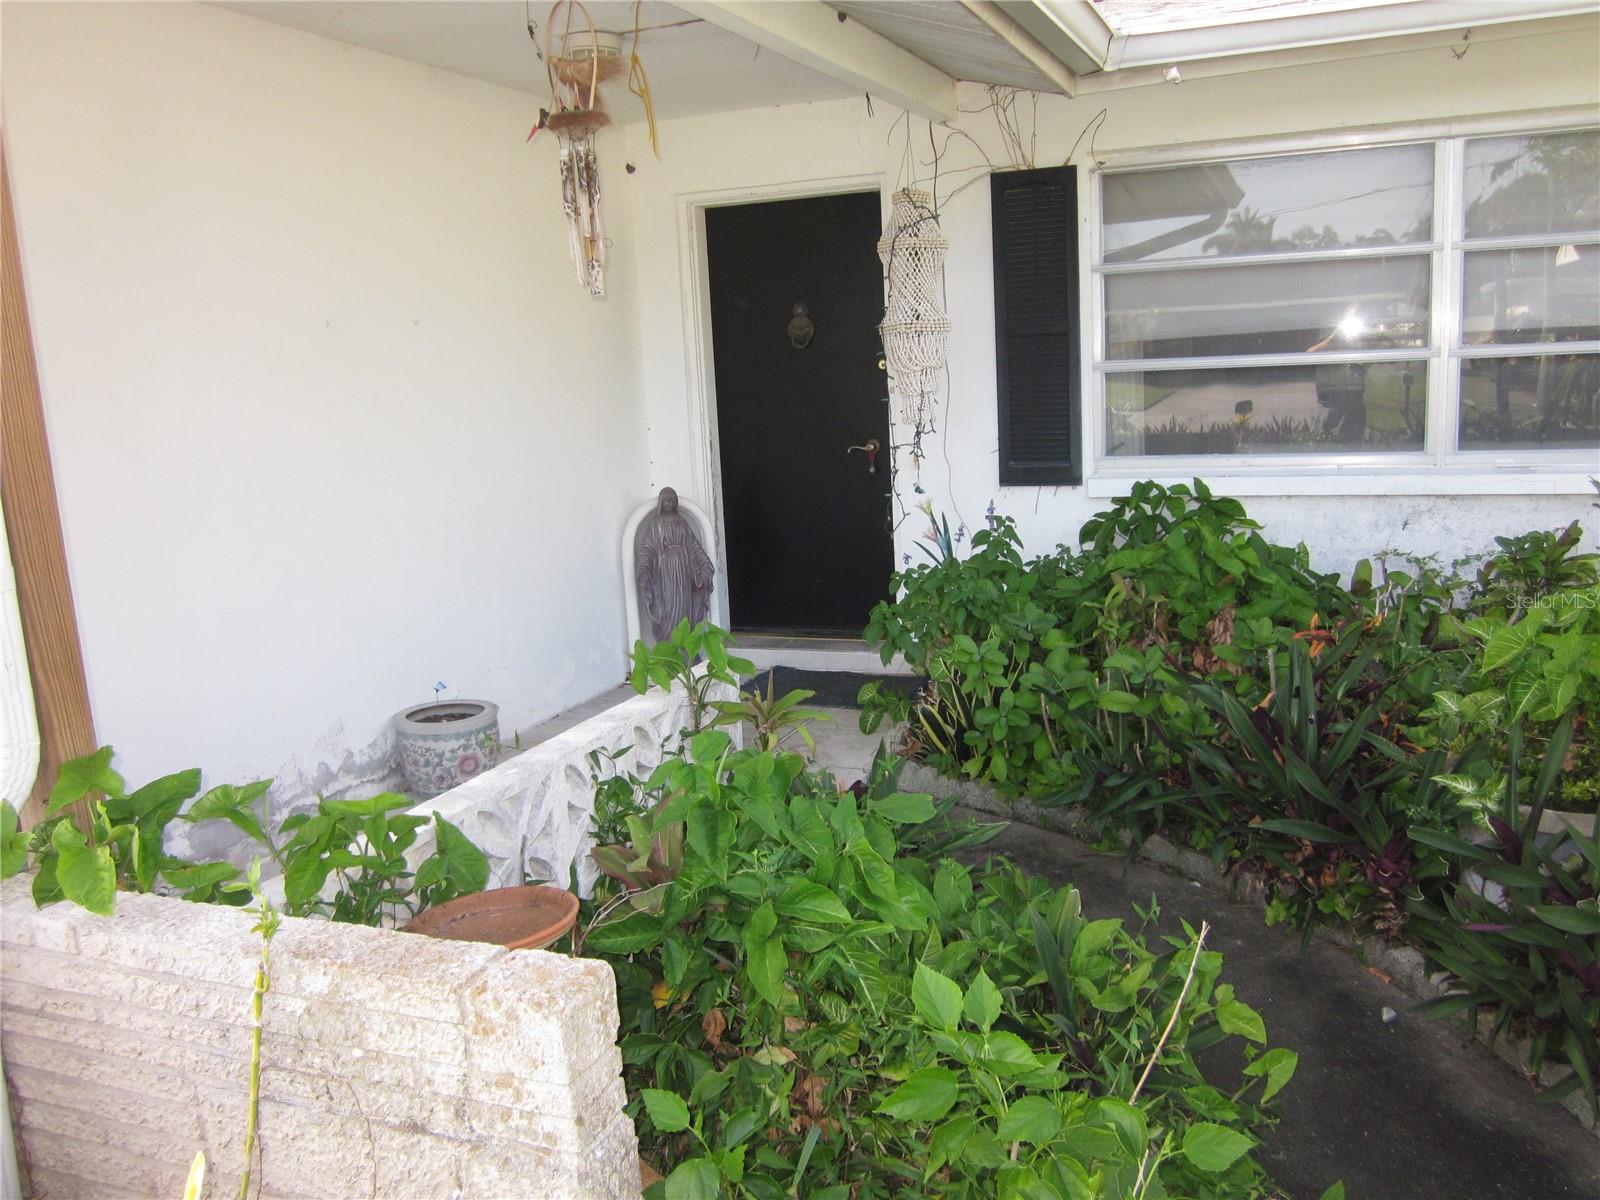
361	844
122	847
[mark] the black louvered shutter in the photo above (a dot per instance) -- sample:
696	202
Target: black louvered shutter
1035	218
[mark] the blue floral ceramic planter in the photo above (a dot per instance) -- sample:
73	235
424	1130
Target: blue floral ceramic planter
446	743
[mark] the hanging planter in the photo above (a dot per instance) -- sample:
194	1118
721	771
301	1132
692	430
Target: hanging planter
915	329
584	59
575	69
575	72
445	743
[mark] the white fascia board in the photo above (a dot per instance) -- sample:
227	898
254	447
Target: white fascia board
1324	28
1267	60
811	34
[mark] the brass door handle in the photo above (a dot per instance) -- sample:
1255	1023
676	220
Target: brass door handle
872	446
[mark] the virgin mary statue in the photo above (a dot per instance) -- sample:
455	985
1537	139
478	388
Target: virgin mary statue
672	569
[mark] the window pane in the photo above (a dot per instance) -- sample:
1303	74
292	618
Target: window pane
1376	197
1361	304
1267	410
1549	183
1539	401
1544	295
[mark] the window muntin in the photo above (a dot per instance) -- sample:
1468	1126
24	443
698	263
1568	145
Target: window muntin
1213	347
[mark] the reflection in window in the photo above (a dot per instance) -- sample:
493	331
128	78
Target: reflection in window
1340	406
1290	204
1373	304
1529	186
1346	348
1543	294
1537	402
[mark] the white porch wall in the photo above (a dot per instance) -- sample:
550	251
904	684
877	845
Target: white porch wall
804	146
331	417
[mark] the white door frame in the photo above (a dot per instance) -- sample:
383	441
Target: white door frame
695	287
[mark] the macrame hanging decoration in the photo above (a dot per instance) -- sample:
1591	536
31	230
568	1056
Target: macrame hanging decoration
915	330
575	75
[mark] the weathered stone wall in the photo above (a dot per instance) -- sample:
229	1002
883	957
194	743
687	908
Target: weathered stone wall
532	814
393	1065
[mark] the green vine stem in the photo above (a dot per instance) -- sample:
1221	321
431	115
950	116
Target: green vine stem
266	925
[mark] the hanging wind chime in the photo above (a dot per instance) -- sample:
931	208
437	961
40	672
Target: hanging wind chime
575	74
915	330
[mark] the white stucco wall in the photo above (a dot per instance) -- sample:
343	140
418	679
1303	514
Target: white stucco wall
331	417
833	146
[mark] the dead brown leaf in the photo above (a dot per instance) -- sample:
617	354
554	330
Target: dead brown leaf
714	1024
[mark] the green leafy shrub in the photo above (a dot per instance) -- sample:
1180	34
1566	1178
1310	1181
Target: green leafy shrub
821	1001
1045	676
1531	668
1313	790
772	718
362	845
1529	949
678	662
695	659
1179	674
1532	565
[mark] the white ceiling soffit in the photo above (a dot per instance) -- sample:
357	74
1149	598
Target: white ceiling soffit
707	56
950	37
811	33
1120	34
694	66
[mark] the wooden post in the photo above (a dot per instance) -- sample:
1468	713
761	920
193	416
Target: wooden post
33	525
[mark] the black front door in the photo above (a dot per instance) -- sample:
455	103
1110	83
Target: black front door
810	547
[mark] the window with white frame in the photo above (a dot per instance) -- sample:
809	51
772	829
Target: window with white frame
1427	302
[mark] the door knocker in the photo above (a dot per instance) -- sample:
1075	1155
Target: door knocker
801	328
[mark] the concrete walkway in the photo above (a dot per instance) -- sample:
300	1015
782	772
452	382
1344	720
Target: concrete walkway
1399	1110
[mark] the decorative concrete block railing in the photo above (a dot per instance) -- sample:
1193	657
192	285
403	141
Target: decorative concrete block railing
392	1065
531	814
